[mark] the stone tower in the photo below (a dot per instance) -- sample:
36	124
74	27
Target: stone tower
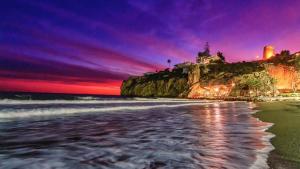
268	52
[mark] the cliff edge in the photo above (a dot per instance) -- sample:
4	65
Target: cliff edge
219	79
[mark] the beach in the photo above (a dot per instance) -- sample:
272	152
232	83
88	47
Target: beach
285	116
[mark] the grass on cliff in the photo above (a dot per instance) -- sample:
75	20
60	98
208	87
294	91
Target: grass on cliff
166	74
225	72
286	118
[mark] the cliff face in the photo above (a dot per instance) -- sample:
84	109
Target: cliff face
286	76
217	80
146	87
194	75
176	83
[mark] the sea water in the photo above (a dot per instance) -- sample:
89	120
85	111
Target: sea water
124	133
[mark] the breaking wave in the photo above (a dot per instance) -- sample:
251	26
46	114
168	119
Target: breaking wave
23	113
135	133
92	101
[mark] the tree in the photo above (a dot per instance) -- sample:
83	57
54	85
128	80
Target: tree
169	62
206	49
221	56
295	81
283	57
260	82
284	53
205	53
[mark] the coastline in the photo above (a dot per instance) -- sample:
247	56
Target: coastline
275	159
263	154
281	157
254	99
264	109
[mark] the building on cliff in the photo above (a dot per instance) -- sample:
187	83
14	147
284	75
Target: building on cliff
205	60
184	66
268	52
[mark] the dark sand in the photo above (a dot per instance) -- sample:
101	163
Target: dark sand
286	119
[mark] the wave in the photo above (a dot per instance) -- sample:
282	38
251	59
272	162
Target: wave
24	113
262	154
86	98
22	102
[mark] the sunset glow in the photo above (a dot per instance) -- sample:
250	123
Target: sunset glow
55	46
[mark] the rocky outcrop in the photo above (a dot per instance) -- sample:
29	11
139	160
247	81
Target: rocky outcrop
194	75
286	76
217	80
147	87
162	84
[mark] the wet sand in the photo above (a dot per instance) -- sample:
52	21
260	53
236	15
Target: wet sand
285	117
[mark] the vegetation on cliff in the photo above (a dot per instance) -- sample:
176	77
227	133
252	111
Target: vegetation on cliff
257	83
213	73
162	84
225	72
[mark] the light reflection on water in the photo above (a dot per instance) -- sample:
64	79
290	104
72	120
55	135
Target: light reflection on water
210	136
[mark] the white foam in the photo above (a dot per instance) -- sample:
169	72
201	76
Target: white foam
23	113
262	154
22	102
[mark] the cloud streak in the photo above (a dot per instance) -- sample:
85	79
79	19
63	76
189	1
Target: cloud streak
101	43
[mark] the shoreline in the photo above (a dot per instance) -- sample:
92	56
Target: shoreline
262	157
250	99
261	112
278	158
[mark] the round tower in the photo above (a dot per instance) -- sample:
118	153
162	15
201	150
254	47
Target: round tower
268	52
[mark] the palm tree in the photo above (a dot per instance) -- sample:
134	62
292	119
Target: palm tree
169	62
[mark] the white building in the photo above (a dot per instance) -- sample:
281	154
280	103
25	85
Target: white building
184	66
208	59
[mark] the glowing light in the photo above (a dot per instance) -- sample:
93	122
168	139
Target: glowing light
268	52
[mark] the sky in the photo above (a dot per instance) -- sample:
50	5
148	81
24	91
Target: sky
89	47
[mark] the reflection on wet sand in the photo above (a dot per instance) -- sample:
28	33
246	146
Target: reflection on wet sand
219	135
233	136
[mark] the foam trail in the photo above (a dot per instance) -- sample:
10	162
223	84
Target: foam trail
65	111
18	102
262	154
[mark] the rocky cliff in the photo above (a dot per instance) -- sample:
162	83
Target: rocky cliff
172	87
161	84
218	80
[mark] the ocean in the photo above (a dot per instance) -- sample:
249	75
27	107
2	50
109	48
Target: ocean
75	131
